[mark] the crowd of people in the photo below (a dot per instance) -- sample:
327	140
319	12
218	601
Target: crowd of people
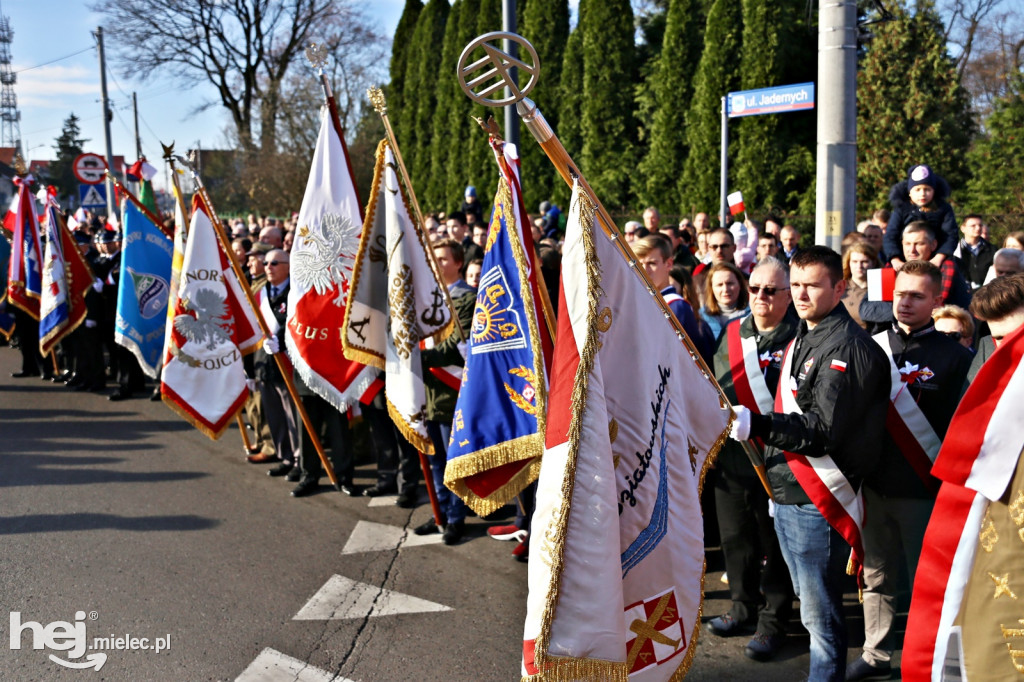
814	367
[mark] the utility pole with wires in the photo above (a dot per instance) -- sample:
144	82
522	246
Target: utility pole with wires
107	115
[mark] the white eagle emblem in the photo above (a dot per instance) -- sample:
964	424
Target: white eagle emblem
206	325
325	254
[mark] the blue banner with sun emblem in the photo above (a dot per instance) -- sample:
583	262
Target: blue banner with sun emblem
496	440
143	289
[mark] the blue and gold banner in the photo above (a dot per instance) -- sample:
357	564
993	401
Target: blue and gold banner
143	289
498	430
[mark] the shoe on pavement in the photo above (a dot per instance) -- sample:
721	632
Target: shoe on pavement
306	486
261	458
522	551
24	375
510	532
406	500
860	669
379	490
281	469
294	475
349	488
453	532
428	527
727	626
763	647
119	395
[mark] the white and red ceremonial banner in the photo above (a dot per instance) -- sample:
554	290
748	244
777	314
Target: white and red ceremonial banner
322	257
905	422
748	371
617	543
66	279
395	301
978	459
823	481
210	328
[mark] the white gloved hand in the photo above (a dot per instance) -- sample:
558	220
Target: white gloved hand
741	424
98	285
251	385
271	345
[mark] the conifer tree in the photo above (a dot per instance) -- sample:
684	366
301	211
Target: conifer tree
570	106
67	146
460	130
608	125
434	181
400	58
479	168
546	26
910	107
998	182
717	75
671	82
419	97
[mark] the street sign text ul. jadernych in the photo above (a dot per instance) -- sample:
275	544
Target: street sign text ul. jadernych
771	100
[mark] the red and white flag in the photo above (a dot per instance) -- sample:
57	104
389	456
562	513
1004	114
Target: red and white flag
881	284
209	328
616	549
976	463
322	257
735	203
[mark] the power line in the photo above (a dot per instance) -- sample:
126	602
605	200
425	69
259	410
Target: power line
53	61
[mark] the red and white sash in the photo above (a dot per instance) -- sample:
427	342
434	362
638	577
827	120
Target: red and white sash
268	313
747	375
821	479
451	375
907	424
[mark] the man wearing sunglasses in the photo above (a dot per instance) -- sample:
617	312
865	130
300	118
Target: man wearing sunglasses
747	365
927	370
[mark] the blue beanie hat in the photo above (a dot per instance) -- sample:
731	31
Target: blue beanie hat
920	175
470	191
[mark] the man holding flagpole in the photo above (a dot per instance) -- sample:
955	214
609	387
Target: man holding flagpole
822	441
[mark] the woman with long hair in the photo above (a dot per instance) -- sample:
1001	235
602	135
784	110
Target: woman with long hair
857	260
725	297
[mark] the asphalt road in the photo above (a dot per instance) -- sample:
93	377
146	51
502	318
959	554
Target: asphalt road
123	521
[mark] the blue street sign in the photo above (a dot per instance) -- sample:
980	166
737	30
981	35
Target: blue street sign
92	196
771	100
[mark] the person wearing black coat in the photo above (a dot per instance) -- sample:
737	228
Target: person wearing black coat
924	195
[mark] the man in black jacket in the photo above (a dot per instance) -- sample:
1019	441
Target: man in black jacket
822	441
927	370
974	254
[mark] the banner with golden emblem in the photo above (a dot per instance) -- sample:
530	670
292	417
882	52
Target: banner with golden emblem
395	301
617	543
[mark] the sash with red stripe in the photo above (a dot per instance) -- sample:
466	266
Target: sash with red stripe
451	375
821	479
747	376
907	424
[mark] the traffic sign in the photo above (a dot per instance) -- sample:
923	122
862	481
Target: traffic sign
89	168
771	100
92	196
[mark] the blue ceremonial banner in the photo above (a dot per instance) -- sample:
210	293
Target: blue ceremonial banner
497	433
143	289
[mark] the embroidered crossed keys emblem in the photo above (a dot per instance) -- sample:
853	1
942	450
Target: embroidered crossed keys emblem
481	86
645	630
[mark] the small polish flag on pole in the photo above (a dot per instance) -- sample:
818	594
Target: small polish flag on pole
881	282
736	203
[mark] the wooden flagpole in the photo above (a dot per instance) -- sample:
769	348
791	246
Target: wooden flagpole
139	205
289	381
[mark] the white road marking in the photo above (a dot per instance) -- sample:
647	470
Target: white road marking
389	500
273	666
342	598
376	537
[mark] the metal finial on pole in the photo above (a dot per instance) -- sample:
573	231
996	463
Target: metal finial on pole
499	62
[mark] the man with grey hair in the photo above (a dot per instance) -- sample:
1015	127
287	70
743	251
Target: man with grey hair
273	236
652	219
747	363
